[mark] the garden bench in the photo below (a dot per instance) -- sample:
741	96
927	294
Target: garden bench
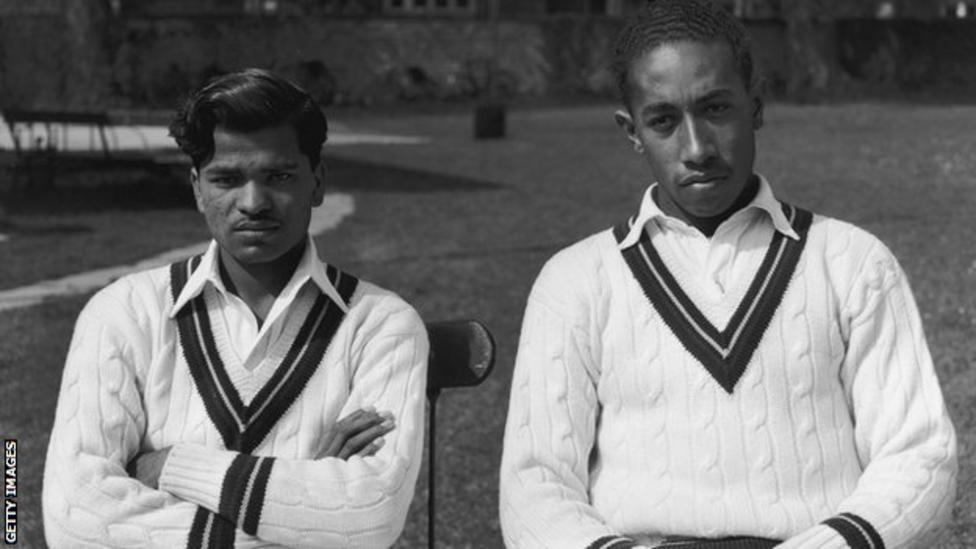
41	143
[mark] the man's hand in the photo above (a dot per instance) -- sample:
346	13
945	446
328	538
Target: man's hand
359	434
147	467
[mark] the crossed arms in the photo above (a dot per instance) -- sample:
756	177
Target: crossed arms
346	494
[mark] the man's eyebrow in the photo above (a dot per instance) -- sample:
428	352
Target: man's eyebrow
657	107
284	165
275	166
217	168
714	94
666	106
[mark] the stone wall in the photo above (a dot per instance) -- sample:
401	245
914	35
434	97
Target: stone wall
32	71
55	54
350	61
150	63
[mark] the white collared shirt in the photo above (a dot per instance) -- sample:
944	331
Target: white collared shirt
249	341
723	263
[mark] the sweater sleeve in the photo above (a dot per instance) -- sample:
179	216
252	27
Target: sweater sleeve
329	502
88	498
551	428
904	437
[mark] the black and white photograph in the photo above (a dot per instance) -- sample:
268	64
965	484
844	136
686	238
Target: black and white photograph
514	274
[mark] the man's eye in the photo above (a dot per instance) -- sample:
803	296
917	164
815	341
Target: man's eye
662	123
718	108
223	180
280	176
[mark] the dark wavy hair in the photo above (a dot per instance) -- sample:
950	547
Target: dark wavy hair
666	21
248	100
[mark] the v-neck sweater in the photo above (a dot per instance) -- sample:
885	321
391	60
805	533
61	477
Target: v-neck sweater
128	389
618	435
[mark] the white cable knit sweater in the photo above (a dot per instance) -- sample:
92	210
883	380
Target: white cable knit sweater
127	389
618	435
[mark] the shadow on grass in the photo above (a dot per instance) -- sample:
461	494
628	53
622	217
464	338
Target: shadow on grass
39	229
94	191
357	176
108	189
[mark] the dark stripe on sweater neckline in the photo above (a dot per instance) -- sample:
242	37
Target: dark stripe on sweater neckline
241	427
301	361
220	399
724	353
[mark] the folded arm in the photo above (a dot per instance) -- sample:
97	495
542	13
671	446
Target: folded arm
88	498
328	502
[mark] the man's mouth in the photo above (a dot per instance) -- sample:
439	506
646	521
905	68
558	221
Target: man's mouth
256	226
703	180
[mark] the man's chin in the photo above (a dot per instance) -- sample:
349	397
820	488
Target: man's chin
255	254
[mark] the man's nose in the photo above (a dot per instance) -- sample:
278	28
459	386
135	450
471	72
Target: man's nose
253	198
697	145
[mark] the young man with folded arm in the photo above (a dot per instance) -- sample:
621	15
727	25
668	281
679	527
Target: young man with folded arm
722	369
253	395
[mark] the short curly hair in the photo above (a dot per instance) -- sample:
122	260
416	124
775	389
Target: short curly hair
248	100
664	21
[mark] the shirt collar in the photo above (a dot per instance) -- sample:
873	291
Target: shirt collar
310	267
764	200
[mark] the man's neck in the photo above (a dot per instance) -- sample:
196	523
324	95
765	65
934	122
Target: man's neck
259	284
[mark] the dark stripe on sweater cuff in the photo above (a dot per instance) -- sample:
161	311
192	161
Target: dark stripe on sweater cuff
868	529
851	534
612	542
235	486
222	532
255	503
195	539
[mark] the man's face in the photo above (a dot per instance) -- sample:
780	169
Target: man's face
257	193
694	120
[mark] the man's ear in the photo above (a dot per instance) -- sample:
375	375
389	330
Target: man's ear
626	123
757	111
318	193
195	182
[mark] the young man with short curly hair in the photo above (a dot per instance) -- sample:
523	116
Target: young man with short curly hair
722	369
230	400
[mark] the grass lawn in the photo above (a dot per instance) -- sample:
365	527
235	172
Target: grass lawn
460	229
94	219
